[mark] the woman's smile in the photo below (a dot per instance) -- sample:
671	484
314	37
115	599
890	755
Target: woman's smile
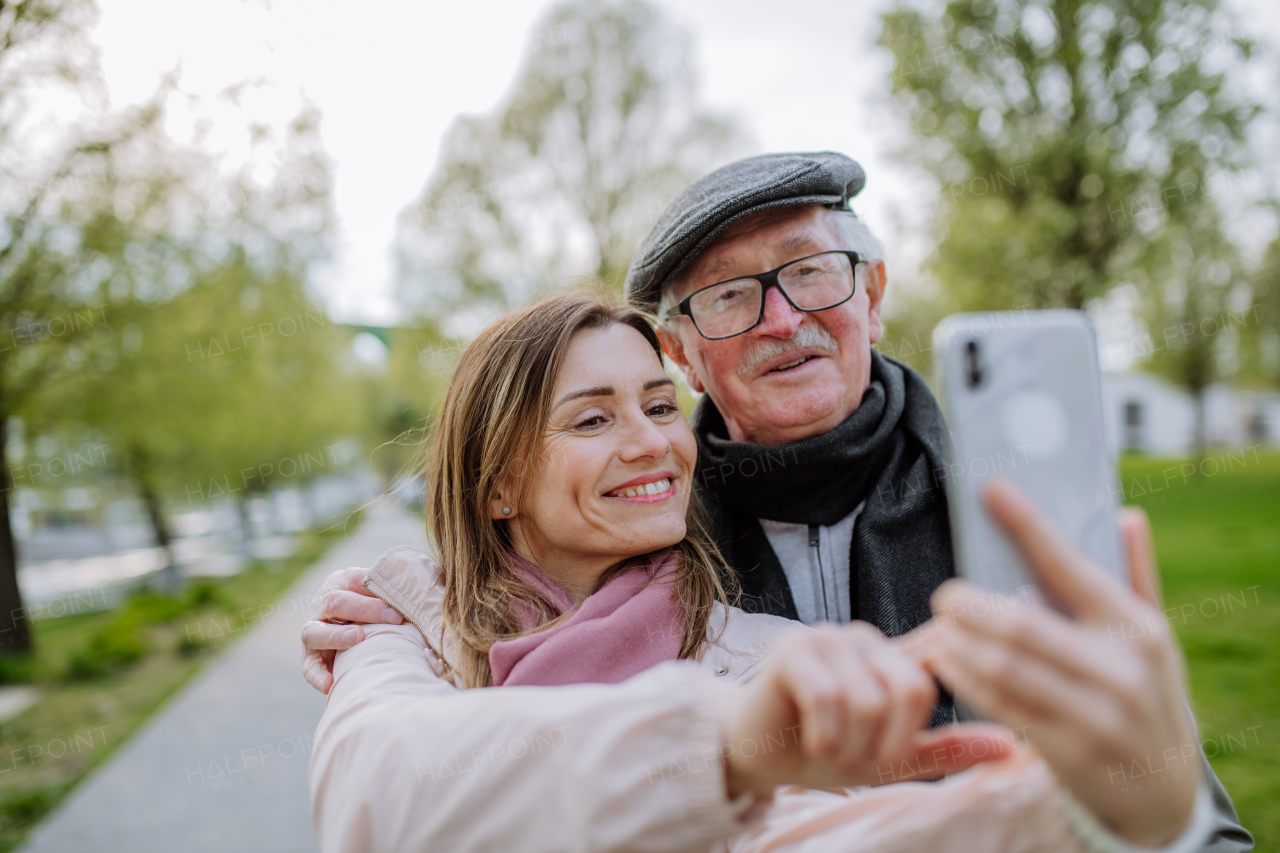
647	489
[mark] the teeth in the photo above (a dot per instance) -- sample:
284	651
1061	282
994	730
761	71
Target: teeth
791	364
656	488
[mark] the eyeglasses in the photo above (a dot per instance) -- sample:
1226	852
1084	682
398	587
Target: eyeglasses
813	283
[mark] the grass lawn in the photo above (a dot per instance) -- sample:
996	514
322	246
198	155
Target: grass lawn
102	674
1218	540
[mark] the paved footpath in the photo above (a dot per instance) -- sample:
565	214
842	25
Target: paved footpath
223	766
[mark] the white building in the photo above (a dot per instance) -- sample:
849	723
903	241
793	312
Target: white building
1150	414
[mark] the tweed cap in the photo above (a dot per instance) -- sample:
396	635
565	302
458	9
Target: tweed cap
714	202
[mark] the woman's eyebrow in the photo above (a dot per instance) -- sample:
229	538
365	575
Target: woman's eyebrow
608	390
597	391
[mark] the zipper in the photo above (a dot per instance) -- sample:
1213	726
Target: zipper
752	673
405	617
815	567
755	668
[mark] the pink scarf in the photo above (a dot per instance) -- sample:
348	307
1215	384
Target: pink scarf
631	623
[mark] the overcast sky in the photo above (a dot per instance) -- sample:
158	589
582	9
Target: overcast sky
390	75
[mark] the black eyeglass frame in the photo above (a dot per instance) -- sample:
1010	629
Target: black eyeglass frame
767	280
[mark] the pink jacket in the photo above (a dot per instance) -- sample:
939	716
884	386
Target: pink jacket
404	761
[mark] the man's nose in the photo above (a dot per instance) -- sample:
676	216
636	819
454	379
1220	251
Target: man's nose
780	320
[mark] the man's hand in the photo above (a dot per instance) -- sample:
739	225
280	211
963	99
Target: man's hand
842	706
342	598
1099	695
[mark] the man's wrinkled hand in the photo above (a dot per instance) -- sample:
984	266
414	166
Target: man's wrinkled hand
341	600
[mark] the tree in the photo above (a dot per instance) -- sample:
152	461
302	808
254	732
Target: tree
1261	353
226	373
129	251
600	131
1195	309
1064	133
56	273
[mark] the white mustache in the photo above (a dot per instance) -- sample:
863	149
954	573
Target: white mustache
810	336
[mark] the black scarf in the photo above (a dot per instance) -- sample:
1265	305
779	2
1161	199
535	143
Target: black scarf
889	453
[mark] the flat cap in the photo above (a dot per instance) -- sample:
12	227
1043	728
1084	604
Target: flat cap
714	202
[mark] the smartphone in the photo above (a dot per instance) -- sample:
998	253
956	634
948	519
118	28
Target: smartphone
1022	393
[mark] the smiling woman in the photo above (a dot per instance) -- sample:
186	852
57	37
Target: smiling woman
585	376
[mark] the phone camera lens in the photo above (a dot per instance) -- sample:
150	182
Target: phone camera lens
973	364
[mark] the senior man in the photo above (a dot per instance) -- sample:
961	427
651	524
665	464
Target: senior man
819	461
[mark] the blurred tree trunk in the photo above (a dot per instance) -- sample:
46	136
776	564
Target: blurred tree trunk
144	478
1201	441
155	512
246	527
19	638
1197	370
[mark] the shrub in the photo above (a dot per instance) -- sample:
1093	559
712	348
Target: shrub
110	649
25	808
17	668
189	646
202	593
151	609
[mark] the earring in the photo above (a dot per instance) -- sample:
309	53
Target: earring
506	510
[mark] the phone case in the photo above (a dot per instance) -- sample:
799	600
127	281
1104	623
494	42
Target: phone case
1022	393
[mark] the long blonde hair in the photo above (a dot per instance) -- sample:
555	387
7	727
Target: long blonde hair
496	412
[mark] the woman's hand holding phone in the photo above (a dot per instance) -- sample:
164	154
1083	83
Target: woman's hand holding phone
1099	695
842	706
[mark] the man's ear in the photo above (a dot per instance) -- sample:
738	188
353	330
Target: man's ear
674	350
875	281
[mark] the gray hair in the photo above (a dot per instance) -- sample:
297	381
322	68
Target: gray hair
855	236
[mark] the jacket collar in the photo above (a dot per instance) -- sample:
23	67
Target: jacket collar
408	579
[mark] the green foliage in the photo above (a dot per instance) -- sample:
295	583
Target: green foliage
1079	146
202	593
192	646
151	609
409	394
157	294
25	808
1195	313
121	642
1065	134
221	383
111	649
237	360
16	668
1261	343
66	191
562	180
